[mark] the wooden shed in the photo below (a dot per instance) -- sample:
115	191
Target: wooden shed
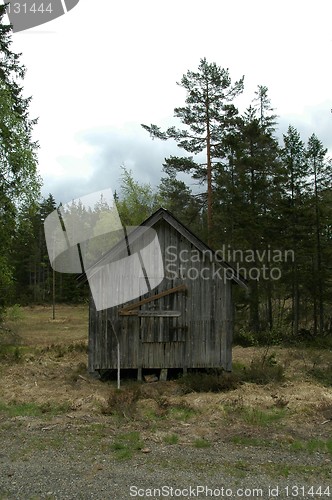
185	322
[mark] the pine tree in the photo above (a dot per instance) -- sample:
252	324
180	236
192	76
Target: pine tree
207	114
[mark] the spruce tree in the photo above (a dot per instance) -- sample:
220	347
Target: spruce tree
293	218
319	168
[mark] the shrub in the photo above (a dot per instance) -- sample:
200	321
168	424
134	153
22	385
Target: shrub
14	313
211	381
322	375
10	353
123	401
244	338
263	370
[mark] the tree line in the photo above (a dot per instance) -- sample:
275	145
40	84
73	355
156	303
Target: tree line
266	203
257	195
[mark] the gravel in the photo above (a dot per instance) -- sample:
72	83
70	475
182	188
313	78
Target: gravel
48	462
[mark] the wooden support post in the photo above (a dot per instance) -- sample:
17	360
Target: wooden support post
139	374
163	374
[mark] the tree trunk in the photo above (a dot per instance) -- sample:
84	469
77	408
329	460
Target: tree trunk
209	176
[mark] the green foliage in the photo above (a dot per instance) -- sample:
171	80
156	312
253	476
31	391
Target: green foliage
312	446
10	353
136	201
259	418
16	409
178	198
14	313
244	338
181	412
19	180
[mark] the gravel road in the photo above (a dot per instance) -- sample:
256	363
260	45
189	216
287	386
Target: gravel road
68	462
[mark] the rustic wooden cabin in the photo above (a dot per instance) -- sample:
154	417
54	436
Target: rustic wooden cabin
185	322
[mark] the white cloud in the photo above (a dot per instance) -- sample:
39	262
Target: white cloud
92	72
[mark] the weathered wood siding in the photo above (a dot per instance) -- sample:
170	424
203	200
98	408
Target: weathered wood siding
200	337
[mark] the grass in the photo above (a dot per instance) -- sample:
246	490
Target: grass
312	446
254	416
309	446
201	443
32	409
261	418
35	326
251	441
171	439
125	445
182	413
53	354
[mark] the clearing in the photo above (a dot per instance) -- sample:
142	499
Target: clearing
66	435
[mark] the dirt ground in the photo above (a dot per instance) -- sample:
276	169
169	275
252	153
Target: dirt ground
61	437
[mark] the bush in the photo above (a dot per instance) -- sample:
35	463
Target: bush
122	402
213	381
263	370
14	313
244	338
322	375
10	353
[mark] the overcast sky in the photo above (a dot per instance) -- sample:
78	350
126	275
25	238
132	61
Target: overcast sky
98	72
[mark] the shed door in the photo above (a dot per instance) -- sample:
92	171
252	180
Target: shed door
164	319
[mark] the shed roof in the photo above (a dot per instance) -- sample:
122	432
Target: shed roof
164	214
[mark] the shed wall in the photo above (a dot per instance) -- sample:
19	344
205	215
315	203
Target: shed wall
200	337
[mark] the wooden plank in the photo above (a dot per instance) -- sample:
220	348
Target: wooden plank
135	305
153	313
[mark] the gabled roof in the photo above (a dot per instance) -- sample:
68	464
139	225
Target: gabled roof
163	214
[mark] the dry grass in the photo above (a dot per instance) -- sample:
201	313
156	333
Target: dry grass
52	370
35	326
